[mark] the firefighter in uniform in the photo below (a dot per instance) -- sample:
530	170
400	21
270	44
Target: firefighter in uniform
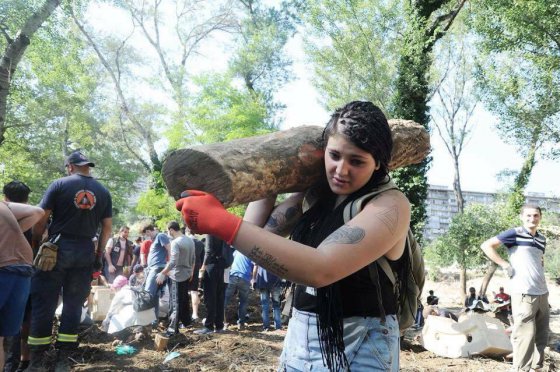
78	205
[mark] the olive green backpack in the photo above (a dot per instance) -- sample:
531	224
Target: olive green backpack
408	288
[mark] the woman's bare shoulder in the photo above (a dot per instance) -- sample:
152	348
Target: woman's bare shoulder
392	197
392	208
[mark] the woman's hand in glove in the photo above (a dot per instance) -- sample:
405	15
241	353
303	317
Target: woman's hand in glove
204	214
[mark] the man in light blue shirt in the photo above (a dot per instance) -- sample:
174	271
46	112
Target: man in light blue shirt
157	259
240	278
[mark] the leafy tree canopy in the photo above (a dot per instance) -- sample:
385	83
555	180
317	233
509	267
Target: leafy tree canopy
470	229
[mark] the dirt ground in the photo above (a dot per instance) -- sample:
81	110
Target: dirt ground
253	350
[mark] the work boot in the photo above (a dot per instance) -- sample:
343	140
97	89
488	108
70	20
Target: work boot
22	366
38	362
63	361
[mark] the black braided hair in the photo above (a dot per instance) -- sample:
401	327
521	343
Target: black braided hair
365	125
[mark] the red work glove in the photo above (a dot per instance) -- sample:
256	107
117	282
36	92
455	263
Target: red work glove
204	214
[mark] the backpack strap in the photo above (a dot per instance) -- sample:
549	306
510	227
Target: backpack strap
384	263
350	211
356	206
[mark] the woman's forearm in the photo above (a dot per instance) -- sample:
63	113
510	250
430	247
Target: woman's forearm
257	212
368	236
285	258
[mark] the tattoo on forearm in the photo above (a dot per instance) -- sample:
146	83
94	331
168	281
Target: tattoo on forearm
267	261
345	235
390	218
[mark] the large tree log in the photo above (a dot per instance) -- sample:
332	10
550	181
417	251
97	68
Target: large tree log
248	169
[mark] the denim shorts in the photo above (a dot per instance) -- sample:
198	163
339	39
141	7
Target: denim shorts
13	298
369	345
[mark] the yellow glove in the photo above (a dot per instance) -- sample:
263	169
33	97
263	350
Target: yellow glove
46	257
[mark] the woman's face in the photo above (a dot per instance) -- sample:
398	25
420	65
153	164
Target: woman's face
348	167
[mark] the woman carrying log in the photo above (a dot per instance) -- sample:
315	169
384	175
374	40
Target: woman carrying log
336	323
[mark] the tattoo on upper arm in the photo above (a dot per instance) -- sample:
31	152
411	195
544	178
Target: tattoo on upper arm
272	222
267	261
281	222
345	235
292	212
390	218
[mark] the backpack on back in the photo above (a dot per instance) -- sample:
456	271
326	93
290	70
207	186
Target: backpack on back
142	299
407	287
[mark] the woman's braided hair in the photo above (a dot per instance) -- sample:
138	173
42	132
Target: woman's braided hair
365	125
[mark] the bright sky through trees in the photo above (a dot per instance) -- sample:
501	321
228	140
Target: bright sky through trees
483	158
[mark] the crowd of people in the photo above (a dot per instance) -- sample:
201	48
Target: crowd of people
156	262
339	315
177	270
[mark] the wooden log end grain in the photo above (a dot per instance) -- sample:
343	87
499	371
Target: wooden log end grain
411	143
243	170
193	169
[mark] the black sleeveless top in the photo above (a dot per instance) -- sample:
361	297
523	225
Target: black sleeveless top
358	292
359	295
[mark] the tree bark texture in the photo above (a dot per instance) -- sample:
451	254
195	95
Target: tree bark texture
463	280
248	169
487	277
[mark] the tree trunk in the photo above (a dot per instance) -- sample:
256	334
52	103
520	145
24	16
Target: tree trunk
457	186
412	89
14	52
248	169
517	198
463	281
486	281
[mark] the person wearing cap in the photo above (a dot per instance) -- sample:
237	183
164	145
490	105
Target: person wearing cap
121	313
77	205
